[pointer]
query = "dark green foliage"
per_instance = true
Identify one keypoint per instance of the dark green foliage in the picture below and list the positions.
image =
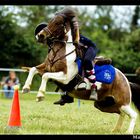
(135, 18)
(18, 46)
(132, 41)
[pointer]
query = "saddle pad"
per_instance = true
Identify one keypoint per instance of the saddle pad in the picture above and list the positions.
(104, 73)
(79, 63)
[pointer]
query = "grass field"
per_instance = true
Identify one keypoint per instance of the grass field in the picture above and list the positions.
(47, 118)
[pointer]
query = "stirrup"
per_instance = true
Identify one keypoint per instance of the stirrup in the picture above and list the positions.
(82, 85)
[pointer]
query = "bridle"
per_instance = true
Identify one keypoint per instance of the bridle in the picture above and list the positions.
(48, 31)
(55, 39)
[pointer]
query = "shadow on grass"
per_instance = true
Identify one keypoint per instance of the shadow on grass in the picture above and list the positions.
(12, 130)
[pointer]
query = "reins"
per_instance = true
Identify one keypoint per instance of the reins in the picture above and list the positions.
(46, 29)
(52, 62)
(62, 57)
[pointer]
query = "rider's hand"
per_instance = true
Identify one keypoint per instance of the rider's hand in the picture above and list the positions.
(75, 44)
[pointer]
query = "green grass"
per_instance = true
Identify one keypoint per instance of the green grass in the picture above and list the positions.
(46, 118)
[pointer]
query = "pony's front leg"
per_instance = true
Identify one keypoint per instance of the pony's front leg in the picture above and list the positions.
(26, 87)
(59, 76)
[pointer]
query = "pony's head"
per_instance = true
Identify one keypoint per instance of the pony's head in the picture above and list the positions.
(38, 28)
(56, 28)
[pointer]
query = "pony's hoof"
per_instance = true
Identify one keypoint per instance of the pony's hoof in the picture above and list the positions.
(25, 90)
(39, 99)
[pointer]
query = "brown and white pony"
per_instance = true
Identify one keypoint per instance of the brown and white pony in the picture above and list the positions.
(60, 66)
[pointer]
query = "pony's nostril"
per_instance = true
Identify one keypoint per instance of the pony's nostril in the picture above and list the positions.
(40, 37)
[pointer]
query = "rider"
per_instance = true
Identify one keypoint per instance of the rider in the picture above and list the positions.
(90, 51)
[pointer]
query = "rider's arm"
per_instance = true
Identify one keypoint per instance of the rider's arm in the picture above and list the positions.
(86, 41)
(71, 15)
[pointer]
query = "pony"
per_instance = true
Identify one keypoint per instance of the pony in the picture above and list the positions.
(61, 67)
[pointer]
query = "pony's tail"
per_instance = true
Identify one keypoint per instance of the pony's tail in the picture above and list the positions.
(135, 88)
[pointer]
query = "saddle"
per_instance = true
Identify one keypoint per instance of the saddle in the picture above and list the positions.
(104, 71)
(100, 60)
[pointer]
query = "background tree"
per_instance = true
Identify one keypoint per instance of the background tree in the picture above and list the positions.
(113, 35)
(135, 18)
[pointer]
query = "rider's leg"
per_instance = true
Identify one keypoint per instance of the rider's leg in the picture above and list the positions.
(89, 68)
(92, 78)
(90, 72)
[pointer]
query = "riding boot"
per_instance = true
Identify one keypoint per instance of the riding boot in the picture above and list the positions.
(64, 99)
(92, 79)
(93, 94)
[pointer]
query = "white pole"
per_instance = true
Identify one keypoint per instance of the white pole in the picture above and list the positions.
(34, 92)
(11, 69)
(79, 103)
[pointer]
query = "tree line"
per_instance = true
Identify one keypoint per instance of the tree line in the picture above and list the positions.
(18, 46)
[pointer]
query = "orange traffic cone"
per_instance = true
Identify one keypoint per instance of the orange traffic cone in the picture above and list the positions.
(14, 119)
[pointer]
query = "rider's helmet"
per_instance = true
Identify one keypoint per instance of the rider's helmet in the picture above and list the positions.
(39, 27)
